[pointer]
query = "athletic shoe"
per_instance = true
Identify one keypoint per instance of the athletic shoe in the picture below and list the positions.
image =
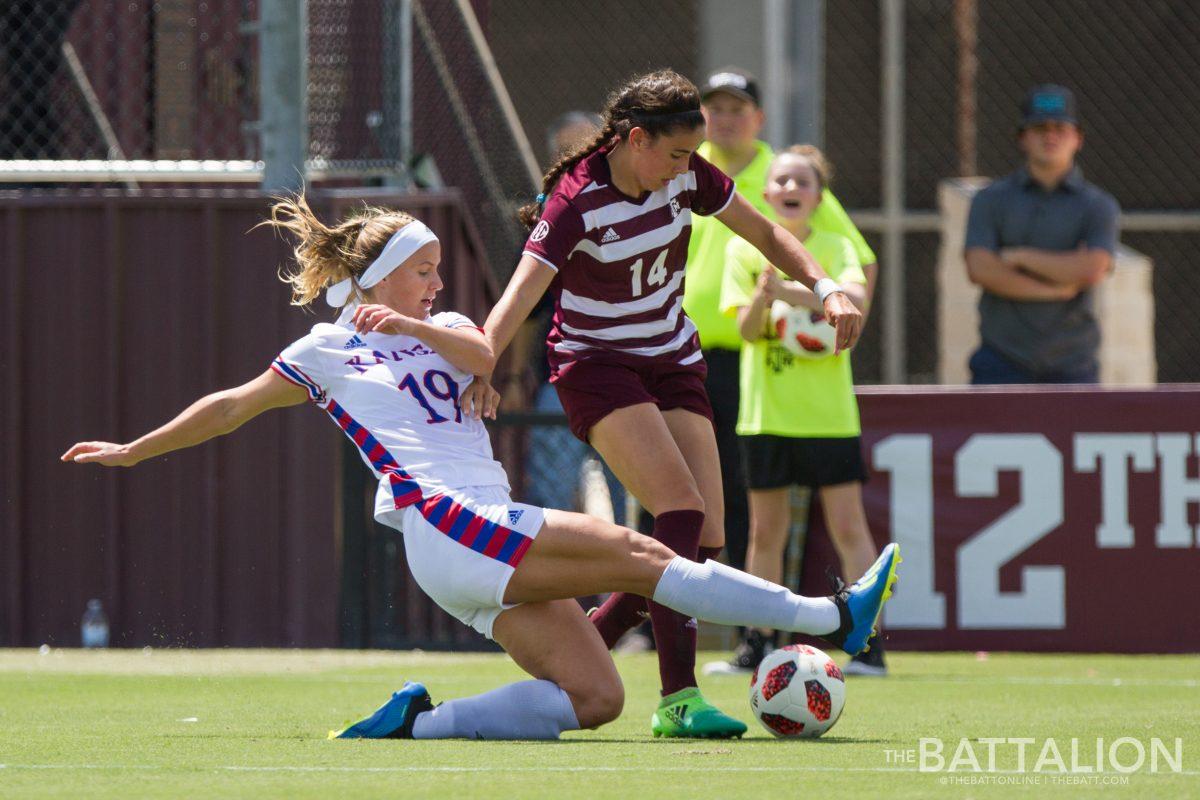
(392, 720)
(860, 604)
(686, 714)
(869, 663)
(746, 658)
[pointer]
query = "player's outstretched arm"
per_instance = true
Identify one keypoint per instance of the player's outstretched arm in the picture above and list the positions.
(526, 287)
(777, 245)
(784, 251)
(212, 415)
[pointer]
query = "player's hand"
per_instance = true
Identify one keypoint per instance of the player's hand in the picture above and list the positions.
(373, 318)
(106, 454)
(480, 400)
(846, 318)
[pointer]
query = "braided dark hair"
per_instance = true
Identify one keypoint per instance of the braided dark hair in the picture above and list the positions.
(659, 102)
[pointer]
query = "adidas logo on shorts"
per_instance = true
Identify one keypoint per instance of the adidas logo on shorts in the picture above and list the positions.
(610, 236)
(515, 516)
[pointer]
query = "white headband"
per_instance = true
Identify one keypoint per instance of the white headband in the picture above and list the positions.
(404, 242)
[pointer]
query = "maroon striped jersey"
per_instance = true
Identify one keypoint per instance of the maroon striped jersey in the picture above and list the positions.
(618, 294)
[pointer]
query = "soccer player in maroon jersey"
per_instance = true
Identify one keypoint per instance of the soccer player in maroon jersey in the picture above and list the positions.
(609, 238)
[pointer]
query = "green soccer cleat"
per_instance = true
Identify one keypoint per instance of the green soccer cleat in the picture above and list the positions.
(686, 714)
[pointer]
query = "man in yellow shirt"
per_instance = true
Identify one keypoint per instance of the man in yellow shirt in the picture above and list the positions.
(734, 119)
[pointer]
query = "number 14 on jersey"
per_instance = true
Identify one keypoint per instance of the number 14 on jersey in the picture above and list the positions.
(656, 277)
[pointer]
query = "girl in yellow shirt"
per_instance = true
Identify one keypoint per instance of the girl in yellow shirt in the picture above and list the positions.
(798, 418)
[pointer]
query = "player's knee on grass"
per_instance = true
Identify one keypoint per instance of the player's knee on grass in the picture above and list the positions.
(600, 702)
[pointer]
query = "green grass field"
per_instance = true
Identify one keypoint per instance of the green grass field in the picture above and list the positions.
(253, 723)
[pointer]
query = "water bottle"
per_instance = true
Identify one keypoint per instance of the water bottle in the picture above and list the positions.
(94, 631)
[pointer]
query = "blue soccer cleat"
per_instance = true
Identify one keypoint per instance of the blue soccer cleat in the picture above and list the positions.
(394, 719)
(861, 603)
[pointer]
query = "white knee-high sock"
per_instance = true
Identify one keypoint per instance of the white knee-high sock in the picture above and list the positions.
(717, 593)
(525, 710)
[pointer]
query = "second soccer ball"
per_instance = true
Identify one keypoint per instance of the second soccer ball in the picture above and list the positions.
(802, 330)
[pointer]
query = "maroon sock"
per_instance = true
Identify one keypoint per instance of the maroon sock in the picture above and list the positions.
(674, 633)
(617, 614)
(709, 552)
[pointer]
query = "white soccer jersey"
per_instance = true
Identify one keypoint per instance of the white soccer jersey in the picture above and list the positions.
(397, 400)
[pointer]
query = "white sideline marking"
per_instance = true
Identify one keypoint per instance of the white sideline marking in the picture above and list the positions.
(581, 768)
(1184, 683)
(570, 769)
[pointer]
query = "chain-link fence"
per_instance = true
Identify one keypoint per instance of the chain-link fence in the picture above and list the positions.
(967, 67)
(354, 84)
(179, 79)
(405, 90)
(98, 79)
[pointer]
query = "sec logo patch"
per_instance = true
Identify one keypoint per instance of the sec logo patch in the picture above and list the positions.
(540, 231)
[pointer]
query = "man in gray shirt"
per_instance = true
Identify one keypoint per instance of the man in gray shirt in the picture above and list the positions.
(1037, 242)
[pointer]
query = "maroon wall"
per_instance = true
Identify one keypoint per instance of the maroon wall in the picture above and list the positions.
(118, 312)
(1017, 534)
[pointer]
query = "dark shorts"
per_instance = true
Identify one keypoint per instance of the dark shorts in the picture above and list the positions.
(772, 462)
(591, 390)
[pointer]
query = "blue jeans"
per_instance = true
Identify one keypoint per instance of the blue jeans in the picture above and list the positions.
(989, 366)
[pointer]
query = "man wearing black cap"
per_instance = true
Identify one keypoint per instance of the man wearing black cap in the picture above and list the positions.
(1037, 243)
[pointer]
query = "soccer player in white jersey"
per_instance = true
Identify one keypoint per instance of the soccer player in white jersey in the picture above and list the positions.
(392, 376)
(609, 239)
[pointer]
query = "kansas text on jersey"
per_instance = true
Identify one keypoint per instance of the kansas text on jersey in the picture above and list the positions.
(397, 400)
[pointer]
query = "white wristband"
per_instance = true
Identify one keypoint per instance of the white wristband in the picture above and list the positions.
(825, 287)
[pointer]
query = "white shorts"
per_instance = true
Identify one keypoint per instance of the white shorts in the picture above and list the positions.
(464, 546)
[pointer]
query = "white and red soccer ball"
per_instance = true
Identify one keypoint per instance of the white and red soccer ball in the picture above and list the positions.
(803, 331)
(797, 691)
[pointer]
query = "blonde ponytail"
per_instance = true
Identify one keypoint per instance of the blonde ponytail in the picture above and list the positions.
(325, 255)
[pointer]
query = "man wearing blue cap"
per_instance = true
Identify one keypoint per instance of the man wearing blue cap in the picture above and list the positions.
(1037, 243)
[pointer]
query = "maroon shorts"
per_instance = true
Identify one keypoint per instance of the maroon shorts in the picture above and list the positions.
(591, 390)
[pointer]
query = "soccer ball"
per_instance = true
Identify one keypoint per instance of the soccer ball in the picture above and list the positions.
(803, 331)
(797, 691)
